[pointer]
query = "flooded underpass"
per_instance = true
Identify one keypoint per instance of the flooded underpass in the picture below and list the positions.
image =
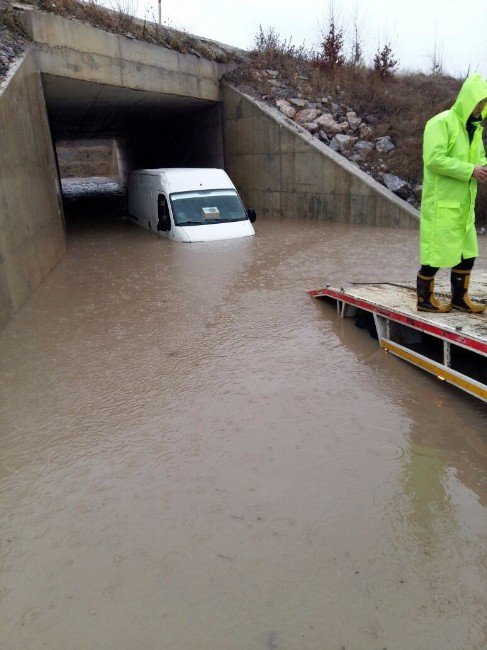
(195, 454)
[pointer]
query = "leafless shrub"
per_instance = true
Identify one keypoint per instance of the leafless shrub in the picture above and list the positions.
(272, 51)
(270, 44)
(436, 59)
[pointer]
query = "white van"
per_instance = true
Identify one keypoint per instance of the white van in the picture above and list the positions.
(188, 204)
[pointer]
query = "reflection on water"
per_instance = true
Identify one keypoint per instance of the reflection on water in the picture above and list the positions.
(195, 454)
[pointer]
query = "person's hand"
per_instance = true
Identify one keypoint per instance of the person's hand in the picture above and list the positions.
(480, 173)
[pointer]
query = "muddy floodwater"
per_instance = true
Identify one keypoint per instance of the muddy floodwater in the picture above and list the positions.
(197, 455)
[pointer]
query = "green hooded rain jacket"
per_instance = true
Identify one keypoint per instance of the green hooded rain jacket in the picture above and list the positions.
(447, 224)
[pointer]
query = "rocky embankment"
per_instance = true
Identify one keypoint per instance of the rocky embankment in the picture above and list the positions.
(12, 41)
(361, 138)
(10, 49)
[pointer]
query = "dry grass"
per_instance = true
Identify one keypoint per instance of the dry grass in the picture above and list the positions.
(12, 37)
(9, 19)
(403, 104)
(122, 20)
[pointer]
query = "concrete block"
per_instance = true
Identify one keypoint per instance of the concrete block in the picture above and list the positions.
(61, 61)
(209, 88)
(290, 142)
(57, 31)
(255, 136)
(148, 54)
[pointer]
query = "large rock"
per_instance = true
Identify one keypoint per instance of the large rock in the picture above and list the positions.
(307, 115)
(300, 103)
(286, 108)
(323, 137)
(327, 123)
(281, 93)
(312, 127)
(275, 83)
(397, 185)
(363, 149)
(345, 142)
(353, 120)
(334, 145)
(384, 145)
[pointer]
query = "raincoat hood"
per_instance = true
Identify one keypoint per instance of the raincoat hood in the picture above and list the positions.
(473, 91)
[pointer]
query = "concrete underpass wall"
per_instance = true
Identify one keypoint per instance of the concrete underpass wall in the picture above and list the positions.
(280, 169)
(68, 48)
(32, 238)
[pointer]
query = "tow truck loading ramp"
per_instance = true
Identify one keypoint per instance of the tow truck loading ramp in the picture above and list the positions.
(451, 346)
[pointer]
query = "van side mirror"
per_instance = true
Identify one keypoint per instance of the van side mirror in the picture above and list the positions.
(251, 215)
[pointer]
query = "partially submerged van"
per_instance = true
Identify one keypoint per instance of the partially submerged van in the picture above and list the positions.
(188, 204)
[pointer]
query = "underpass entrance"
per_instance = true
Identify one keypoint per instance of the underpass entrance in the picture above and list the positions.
(101, 133)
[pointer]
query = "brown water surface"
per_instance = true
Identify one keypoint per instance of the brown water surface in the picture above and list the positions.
(197, 455)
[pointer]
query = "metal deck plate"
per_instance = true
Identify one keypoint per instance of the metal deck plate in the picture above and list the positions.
(400, 299)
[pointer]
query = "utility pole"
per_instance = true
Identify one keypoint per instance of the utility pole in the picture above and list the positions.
(159, 3)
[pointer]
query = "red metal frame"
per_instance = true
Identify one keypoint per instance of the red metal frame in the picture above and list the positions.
(464, 341)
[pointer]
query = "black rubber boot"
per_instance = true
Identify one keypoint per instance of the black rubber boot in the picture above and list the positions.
(426, 300)
(460, 299)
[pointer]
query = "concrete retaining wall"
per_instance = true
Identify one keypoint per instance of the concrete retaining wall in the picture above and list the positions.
(280, 169)
(68, 48)
(32, 238)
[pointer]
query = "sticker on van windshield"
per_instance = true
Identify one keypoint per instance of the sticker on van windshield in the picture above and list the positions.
(211, 213)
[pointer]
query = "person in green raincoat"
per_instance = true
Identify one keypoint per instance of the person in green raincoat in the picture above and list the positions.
(454, 161)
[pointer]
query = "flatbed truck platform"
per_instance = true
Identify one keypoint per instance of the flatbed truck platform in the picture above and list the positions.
(451, 346)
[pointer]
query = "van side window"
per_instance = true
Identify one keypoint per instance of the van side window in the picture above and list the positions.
(163, 218)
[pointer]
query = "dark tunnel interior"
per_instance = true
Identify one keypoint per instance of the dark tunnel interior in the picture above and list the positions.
(101, 133)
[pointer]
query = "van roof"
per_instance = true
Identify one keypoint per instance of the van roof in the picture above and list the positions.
(184, 179)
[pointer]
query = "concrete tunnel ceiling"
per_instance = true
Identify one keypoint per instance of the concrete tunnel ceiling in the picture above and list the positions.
(83, 110)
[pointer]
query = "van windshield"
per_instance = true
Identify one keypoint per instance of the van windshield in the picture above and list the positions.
(206, 207)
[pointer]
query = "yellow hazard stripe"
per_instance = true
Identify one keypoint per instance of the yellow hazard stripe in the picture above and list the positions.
(442, 372)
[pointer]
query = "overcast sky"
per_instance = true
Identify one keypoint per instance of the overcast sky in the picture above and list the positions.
(410, 25)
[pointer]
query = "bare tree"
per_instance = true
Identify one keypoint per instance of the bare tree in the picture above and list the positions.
(332, 55)
(384, 62)
(357, 52)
